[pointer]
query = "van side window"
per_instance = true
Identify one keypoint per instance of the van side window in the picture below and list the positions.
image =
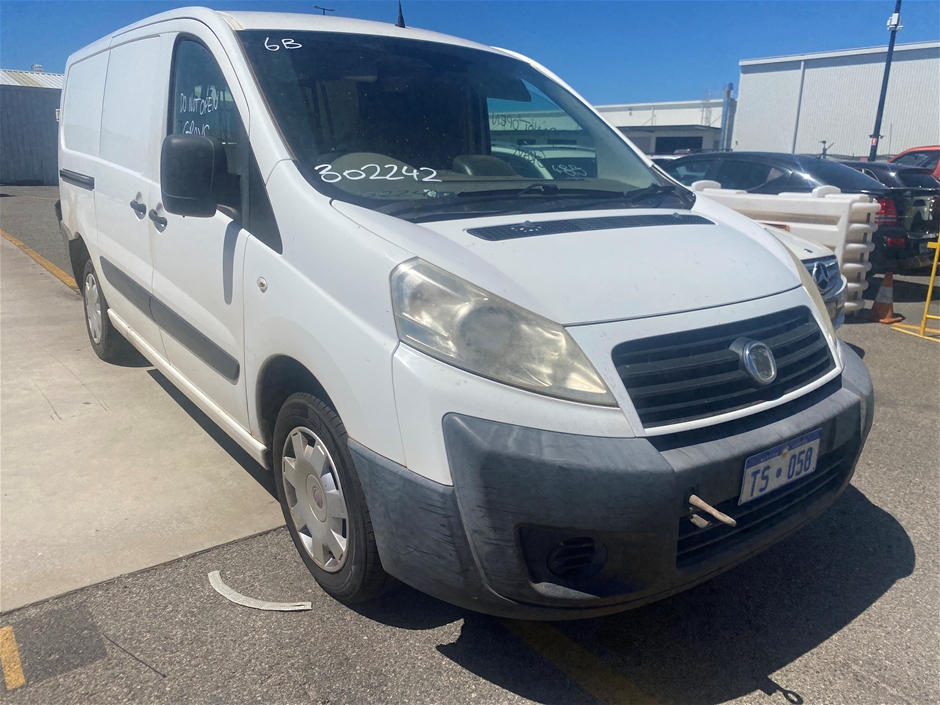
(202, 104)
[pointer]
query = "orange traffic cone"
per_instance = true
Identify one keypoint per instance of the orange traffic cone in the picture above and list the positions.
(883, 308)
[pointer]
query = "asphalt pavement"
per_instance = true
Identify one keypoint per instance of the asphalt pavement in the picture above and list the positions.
(844, 611)
(28, 213)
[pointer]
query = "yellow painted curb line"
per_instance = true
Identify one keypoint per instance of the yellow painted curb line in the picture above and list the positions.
(43, 262)
(10, 659)
(579, 664)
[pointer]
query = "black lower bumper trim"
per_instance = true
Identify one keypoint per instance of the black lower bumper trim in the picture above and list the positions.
(540, 524)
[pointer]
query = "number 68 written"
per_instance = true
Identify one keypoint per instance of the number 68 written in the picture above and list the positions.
(286, 43)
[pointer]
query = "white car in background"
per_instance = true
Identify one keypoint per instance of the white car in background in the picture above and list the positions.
(823, 266)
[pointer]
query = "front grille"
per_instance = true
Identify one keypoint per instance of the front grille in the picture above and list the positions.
(698, 546)
(694, 374)
(575, 225)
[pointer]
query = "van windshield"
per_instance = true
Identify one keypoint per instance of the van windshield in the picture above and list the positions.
(429, 131)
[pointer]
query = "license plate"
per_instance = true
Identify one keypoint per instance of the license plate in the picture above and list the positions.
(779, 466)
(923, 248)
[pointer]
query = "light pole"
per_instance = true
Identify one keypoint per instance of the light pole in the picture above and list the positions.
(323, 10)
(894, 24)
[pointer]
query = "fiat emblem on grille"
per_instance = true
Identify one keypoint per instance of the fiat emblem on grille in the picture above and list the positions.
(757, 360)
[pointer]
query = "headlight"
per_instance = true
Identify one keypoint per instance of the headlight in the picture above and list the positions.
(460, 324)
(810, 285)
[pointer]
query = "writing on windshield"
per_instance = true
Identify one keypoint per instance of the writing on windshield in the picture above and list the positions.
(366, 115)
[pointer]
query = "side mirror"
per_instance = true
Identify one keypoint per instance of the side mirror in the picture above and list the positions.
(193, 173)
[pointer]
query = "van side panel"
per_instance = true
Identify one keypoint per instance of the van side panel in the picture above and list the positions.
(327, 304)
(78, 143)
(133, 112)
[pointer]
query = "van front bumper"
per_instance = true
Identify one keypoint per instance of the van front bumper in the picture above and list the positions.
(547, 525)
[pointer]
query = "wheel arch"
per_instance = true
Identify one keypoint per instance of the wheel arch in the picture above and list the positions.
(281, 377)
(78, 255)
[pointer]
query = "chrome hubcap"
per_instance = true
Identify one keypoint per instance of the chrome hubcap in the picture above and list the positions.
(93, 307)
(315, 498)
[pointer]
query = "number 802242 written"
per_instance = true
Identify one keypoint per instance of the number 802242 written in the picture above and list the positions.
(331, 177)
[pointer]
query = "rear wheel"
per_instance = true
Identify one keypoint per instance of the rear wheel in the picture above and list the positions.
(105, 339)
(323, 503)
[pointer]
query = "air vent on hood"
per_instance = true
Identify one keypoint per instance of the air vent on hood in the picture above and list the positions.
(575, 225)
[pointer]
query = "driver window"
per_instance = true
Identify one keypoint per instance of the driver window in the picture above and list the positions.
(202, 104)
(746, 176)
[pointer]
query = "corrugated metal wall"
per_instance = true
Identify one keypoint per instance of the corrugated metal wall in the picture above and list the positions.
(839, 99)
(767, 102)
(28, 135)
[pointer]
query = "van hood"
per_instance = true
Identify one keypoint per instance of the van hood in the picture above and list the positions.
(604, 270)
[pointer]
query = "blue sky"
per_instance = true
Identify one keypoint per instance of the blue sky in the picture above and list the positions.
(610, 52)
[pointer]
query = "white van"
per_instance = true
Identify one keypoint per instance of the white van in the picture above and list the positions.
(527, 396)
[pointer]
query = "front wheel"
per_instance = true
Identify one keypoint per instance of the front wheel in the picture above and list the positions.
(323, 502)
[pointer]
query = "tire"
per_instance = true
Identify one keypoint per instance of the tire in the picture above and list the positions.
(340, 552)
(105, 339)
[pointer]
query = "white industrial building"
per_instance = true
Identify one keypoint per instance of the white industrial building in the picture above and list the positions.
(664, 128)
(792, 103)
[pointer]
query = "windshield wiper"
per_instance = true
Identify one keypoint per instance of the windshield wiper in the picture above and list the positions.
(650, 191)
(429, 204)
(468, 198)
(614, 198)
(539, 190)
(579, 197)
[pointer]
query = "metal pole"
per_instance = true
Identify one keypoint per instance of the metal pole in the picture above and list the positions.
(894, 24)
(725, 115)
(799, 106)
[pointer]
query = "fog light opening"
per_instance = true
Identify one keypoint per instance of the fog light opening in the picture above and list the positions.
(576, 558)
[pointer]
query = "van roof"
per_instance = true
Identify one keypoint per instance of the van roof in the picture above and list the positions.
(220, 20)
(320, 23)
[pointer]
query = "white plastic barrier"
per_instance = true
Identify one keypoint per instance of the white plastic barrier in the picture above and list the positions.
(839, 221)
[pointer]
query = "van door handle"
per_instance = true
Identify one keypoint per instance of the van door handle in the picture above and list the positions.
(159, 221)
(139, 208)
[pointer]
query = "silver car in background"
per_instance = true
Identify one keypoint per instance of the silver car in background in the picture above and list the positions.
(824, 268)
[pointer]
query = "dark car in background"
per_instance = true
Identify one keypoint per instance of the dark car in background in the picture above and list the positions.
(773, 173)
(913, 204)
(770, 173)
